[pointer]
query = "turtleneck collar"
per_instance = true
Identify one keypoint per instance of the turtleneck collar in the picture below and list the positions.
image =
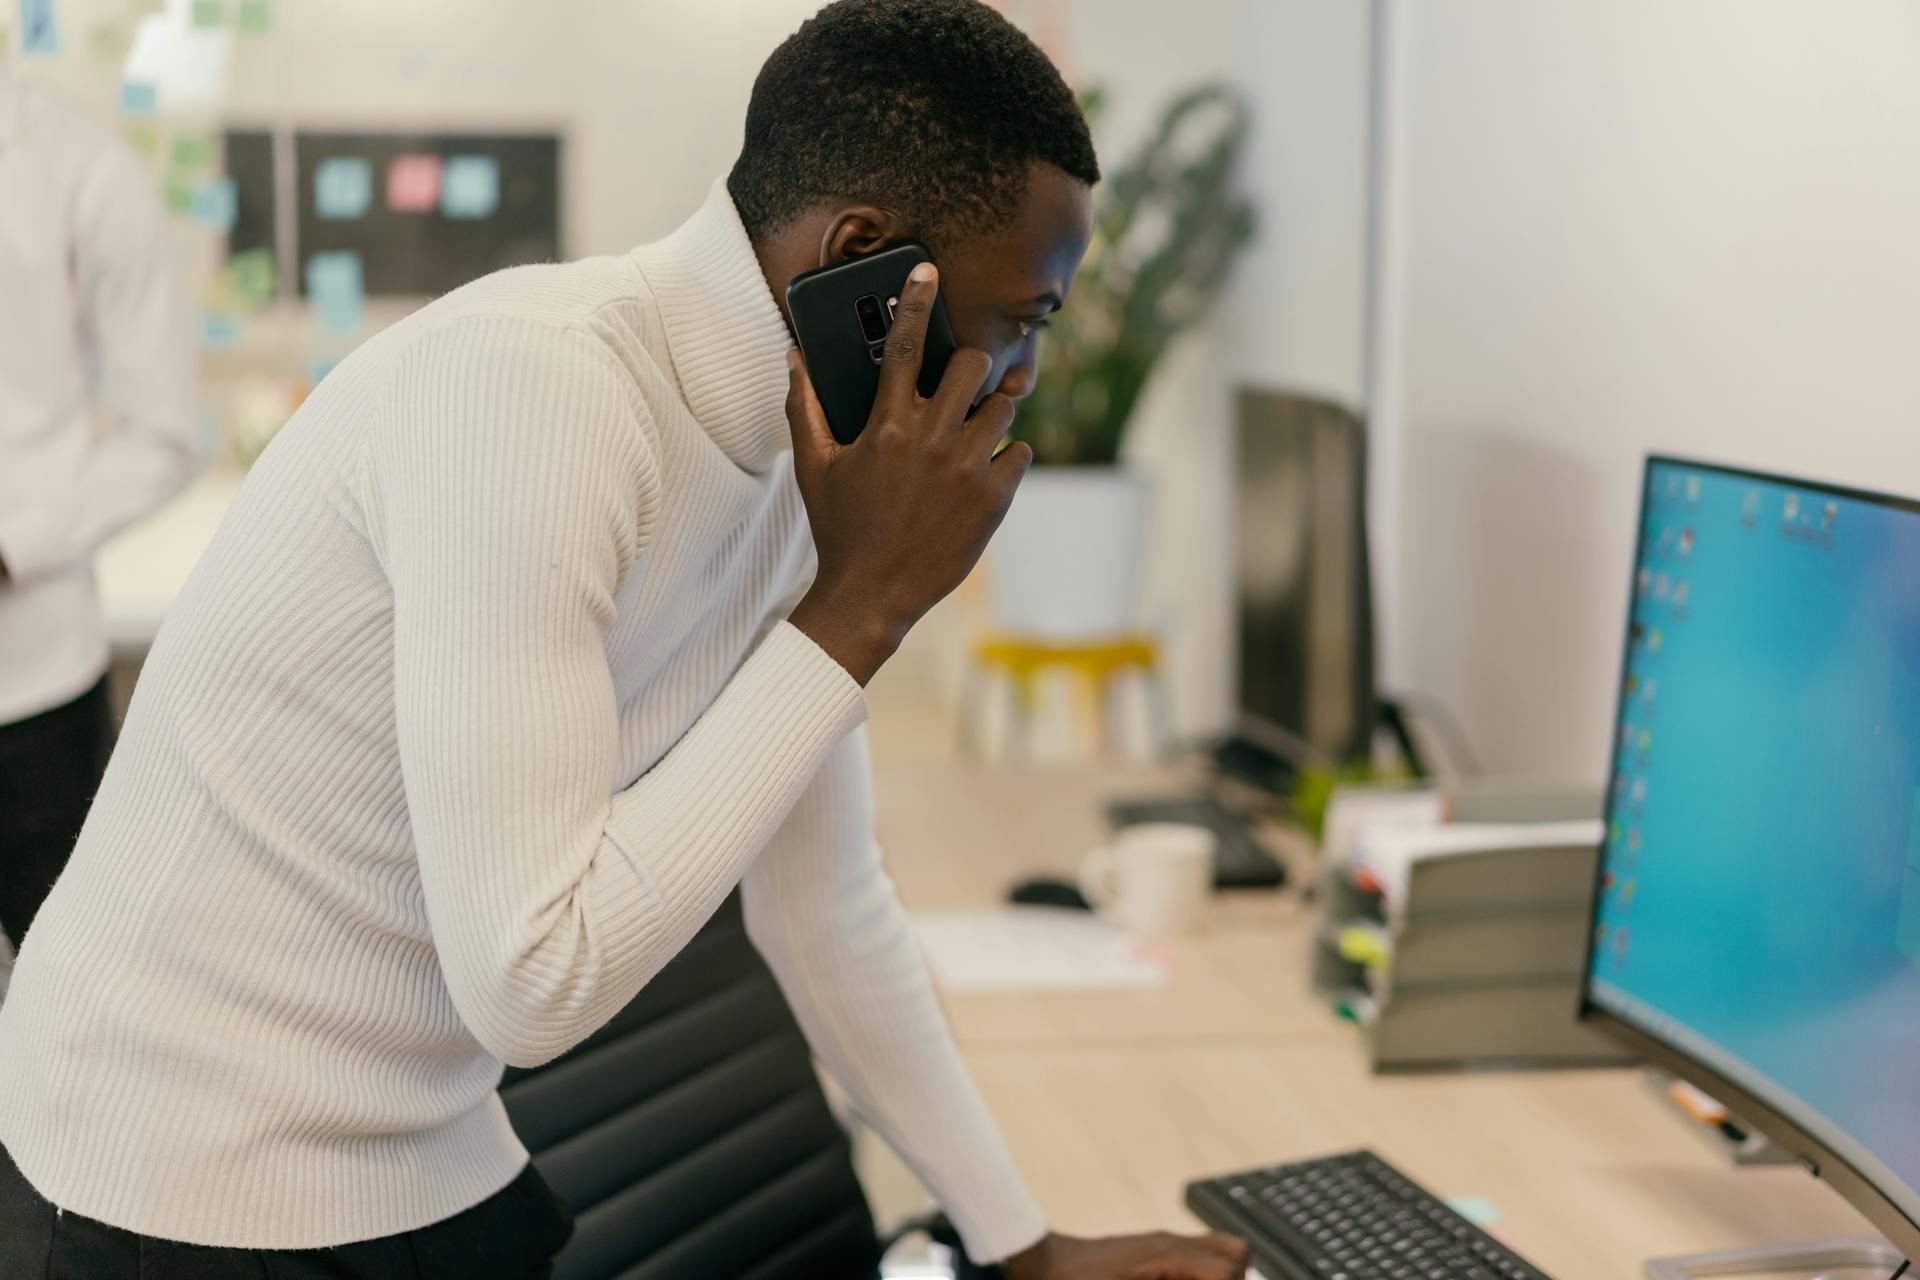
(726, 336)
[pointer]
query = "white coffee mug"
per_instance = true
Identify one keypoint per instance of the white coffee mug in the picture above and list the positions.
(1153, 879)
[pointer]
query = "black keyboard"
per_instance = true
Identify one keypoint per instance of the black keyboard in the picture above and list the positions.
(1239, 861)
(1351, 1217)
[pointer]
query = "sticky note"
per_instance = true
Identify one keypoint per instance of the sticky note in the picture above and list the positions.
(337, 289)
(1475, 1209)
(191, 151)
(144, 138)
(215, 204)
(413, 183)
(209, 13)
(470, 187)
(218, 330)
(138, 98)
(179, 197)
(256, 17)
(342, 187)
(251, 276)
(39, 34)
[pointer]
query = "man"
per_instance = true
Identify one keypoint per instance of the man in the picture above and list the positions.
(541, 626)
(88, 295)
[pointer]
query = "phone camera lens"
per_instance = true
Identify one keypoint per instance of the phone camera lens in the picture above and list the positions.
(873, 321)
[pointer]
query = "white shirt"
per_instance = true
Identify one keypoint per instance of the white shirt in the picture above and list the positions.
(89, 294)
(478, 706)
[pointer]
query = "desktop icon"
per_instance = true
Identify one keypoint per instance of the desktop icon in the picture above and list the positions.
(1644, 580)
(1693, 489)
(1790, 509)
(1681, 594)
(1646, 739)
(1666, 542)
(1655, 639)
(1633, 840)
(1626, 893)
(1649, 689)
(1750, 508)
(1662, 585)
(1620, 943)
(1828, 516)
(1686, 542)
(1639, 791)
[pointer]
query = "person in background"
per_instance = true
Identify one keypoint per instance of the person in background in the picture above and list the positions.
(91, 317)
(543, 624)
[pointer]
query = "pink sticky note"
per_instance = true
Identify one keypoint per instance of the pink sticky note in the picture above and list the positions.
(413, 183)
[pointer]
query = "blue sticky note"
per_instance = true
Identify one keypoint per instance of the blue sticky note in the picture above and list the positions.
(138, 98)
(39, 35)
(337, 289)
(343, 187)
(219, 330)
(215, 204)
(1475, 1209)
(470, 187)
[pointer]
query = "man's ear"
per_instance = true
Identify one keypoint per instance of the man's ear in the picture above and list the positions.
(860, 229)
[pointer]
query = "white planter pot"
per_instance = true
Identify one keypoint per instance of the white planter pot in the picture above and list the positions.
(1067, 562)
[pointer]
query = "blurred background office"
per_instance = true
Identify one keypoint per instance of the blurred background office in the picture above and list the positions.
(1341, 435)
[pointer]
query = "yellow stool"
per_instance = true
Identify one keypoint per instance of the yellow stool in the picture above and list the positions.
(1097, 662)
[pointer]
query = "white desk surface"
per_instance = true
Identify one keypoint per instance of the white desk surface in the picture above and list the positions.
(142, 569)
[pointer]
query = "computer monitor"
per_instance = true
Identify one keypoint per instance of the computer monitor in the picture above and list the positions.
(1757, 920)
(1305, 607)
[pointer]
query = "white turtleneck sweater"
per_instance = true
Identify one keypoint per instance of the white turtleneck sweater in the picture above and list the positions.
(477, 707)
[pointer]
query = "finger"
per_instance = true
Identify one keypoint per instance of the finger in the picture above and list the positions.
(967, 371)
(1008, 470)
(990, 421)
(900, 367)
(813, 440)
(1232, 1248)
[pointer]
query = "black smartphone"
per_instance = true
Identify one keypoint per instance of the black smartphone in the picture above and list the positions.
(841, 315)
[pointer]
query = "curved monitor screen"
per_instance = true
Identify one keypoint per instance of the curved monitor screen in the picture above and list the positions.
(1759, 906)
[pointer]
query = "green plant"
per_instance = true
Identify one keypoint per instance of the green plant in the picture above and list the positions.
(1167, 226)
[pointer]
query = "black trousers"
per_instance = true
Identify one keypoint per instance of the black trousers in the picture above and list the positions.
(50, 767)
(511, 1235)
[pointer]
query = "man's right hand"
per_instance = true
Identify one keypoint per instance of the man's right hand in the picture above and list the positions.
(901, 515)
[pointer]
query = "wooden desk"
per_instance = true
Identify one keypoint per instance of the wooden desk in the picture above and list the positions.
(1113, 1101)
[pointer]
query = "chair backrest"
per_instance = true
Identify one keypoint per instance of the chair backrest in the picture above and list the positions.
(690, 1136)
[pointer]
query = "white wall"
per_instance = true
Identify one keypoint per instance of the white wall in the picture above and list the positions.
(1629, 226)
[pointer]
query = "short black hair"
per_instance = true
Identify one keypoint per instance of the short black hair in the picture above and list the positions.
(937, 109)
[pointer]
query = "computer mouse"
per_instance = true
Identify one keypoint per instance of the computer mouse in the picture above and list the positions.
(1048, 893)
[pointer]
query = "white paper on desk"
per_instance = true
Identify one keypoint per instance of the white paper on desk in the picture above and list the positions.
(1388, 853)
(1034, 949)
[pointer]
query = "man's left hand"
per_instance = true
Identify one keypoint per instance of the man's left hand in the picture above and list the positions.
(1158, 1256)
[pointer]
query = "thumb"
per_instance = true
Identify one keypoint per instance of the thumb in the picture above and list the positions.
(813, 441)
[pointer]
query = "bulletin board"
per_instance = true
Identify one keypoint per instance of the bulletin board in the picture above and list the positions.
(426, 213)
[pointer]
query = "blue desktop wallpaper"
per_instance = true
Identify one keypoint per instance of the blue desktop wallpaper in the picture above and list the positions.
(1760, 899)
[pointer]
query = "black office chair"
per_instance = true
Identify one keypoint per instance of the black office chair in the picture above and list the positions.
(690, 1135)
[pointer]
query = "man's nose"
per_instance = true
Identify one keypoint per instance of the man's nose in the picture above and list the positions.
(1018, 380)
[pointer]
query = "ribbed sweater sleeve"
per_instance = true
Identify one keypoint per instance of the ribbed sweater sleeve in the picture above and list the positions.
(513, 486)
(822, 910)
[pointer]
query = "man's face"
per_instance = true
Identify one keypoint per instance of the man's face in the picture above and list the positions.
(1000, 287)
